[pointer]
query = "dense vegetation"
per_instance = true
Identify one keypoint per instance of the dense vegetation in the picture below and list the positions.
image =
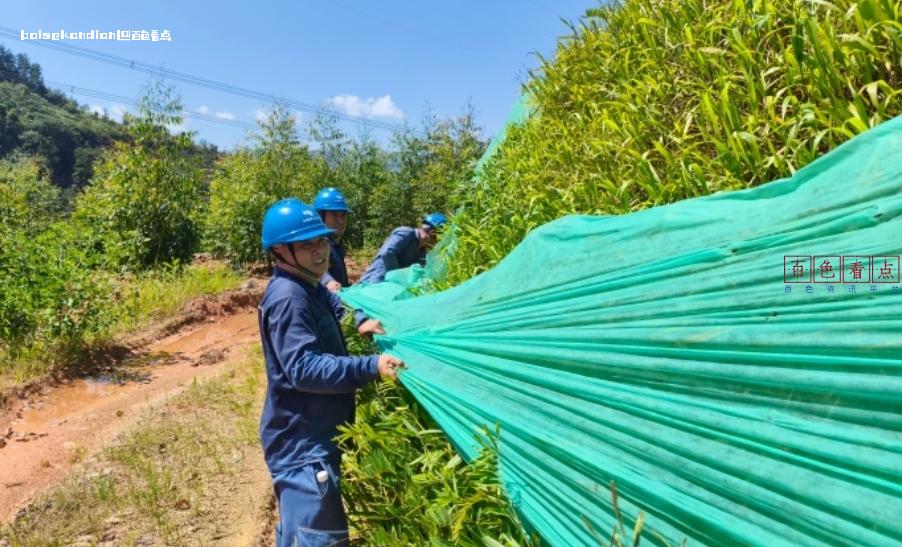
(154, 199)
(403, 482)
(385, 188)
(654, 101)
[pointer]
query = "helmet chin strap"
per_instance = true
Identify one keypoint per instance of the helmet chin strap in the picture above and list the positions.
(306, 274)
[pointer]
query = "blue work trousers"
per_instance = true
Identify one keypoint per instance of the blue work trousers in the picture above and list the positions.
(311, 513)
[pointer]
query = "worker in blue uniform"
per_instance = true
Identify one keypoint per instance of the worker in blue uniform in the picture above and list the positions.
(310, 378)
(404, 247)
(333, 208)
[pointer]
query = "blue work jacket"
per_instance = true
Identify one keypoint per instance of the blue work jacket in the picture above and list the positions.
(337, 269)
(310, 377)
(400, 250)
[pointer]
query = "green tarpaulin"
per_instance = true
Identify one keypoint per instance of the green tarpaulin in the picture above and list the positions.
(733, 362)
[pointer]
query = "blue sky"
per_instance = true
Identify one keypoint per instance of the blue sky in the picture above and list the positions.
(388, 61)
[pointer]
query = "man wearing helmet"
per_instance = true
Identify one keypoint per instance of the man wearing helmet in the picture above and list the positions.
(310, 378)
(332, 207)
(402, 248)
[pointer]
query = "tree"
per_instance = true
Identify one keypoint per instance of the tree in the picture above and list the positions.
(28, 200)
(145, 200)
(430, 165)
(363, 173)
(246, 182)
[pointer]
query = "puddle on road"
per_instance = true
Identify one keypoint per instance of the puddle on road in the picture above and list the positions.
(136, 370)
(87, 412)
(133, 376)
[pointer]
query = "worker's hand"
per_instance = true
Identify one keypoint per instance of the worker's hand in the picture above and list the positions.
(370, 327)
(389, 366)
(333, 286)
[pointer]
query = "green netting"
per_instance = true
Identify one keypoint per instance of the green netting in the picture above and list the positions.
(661, 350)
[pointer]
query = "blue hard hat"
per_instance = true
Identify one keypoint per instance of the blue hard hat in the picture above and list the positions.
(435, 220)
(330, 199)
(289, 221)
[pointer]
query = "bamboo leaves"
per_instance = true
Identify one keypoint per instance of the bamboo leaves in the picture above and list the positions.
(652, 102)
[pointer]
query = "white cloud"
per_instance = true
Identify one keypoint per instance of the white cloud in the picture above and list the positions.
(97, 109)
(260, 115)
(352, 105)
(203, 109)
(116, 111)
(225, 115)
(176, 128)
(298, 116)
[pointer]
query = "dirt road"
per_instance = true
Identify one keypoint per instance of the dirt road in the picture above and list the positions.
(45, 434)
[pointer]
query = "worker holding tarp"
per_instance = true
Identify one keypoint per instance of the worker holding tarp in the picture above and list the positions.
(311, 380)
(404, 247)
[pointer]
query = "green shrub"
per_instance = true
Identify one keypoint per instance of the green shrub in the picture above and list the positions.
(51, 300)
(403, 483)
(28, 200)
(144, 204)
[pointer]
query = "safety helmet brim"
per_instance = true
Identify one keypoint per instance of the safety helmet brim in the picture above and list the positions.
(300, 236)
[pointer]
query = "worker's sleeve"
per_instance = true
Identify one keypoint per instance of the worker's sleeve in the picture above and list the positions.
(393, 249)
(337, 306)
(326, 279)
(359, 318)
(292, 332)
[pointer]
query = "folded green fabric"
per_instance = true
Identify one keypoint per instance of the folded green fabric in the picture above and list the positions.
(732, 362)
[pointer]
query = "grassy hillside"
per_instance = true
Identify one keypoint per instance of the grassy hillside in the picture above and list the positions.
(654, 101)
(38, 121)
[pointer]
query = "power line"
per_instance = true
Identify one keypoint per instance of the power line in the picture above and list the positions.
(133, 102)
(194, 80)
(76, 90)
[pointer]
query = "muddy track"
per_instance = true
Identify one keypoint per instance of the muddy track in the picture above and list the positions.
(43, 433)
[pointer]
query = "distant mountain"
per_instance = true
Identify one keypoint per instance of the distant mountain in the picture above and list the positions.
(35, 120)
